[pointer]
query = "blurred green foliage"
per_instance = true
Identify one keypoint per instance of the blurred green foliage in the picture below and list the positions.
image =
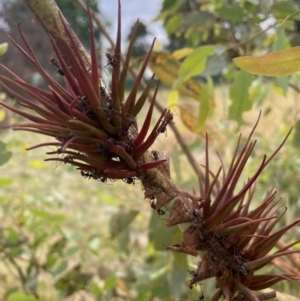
(66, 238)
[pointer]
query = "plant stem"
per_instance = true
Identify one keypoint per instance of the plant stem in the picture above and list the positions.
(47, 13)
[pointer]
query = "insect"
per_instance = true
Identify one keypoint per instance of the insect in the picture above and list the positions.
(167, 120)
(153, 206)
(53, 61)
(111, 59)
(155, 155)
(161, 212)
(129, 181)
(86, 174)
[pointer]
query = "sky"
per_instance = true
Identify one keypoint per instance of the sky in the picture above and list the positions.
(131, 11)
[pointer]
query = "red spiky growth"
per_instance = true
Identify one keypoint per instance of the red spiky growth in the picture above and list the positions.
(235, 240)
(95, 129)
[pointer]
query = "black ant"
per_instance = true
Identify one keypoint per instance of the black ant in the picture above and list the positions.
(161, 212)
(168, 119)
(129, 181)
(155, 155)
(153, 206)
(86, 174)
(53, 61)
(126, 124)
(111, 59)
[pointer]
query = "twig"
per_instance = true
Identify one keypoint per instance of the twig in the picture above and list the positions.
(21, 277)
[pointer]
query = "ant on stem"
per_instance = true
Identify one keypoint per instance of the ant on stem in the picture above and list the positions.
(53, 61)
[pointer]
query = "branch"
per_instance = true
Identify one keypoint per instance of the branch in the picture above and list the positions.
(48, 15)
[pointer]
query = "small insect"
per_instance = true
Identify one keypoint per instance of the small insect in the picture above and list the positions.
(153, 206)
(167, 120)
(195, 213)
(86, 175)
(127, 122)
(103, 180)
(163, 128)
(242, 271)
(111, 59)
(53, 61)
(161, 212)
(155, 155)
(129, 181)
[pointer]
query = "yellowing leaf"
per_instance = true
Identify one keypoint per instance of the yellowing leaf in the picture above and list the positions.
(172, 99)
(189, 115)
(166, 69)
(2, 115)
(157, 45)
(3, 48)
(278, 63)
(182, 52)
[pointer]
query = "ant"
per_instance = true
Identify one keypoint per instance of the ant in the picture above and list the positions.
(111, 59)
(53, 61)
(86, 174)
(129, 181)
(155, 155)
(161, 212)
(153, 206)
(168, 119)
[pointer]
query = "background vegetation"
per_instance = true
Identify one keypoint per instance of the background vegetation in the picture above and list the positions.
(66, 238)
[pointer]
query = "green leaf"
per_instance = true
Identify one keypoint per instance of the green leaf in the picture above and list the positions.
(53, 218)
(120, 221)
(281, 41)
(283, 84)
(71, 251)
(5, 155)
(3, 48)
(178, 273)
(22, 297)
(239, 95)
(173, 24)
(159, 235)
(94, 288)
(296, 137)
(206, 103)
(61, 268)
(170, 5)
(258, 90)
(193, 64)
(282, 9)
(278, 63)
(110, 282)
(94, 244)
(51, 261)
(166, 67)
(196, 22)
(233, 13)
